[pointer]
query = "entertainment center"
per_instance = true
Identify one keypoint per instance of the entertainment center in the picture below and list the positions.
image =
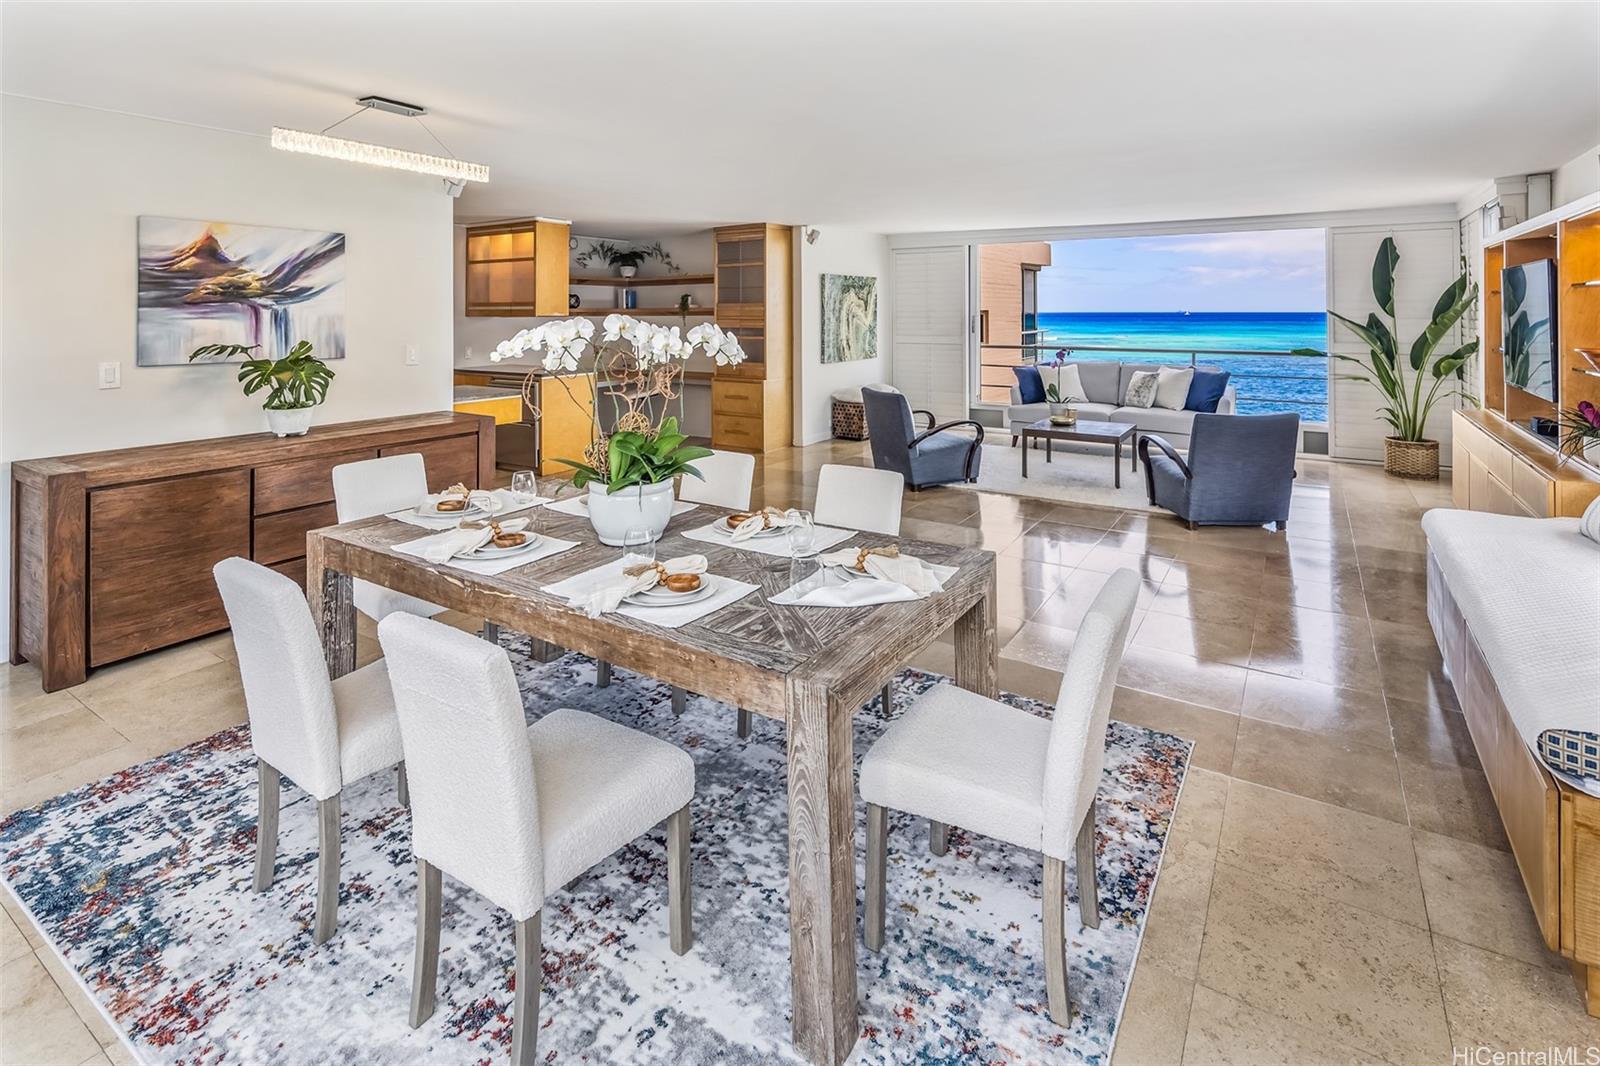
(1541, 355)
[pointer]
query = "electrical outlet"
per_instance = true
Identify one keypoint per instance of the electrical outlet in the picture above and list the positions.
(411, 355)
(110, 376)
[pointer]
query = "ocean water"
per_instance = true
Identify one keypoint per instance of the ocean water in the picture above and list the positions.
(1264, 383)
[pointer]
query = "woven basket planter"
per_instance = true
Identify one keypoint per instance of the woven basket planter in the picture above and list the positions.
(1414, 459)
(849, 420)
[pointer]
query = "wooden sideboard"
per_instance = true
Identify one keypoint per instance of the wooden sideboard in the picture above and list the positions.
(1496, 467)
(112, 551)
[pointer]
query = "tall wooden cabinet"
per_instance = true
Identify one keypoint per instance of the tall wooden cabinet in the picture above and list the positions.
(752, 403)
(517, 268)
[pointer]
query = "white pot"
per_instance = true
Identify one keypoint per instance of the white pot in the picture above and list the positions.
(292, 423)
(627, 272)
(636, 507)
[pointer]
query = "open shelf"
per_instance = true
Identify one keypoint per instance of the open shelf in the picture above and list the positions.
(634, 282)
(642, 312)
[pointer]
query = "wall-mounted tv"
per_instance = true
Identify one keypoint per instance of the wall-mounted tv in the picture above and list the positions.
(1528, 343)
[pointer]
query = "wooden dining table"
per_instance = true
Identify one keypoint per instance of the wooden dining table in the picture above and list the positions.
(810, 668)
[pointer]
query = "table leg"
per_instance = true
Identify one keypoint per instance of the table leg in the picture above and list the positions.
(1047, 448)
(1024, 455)
(330, 595)
(1116, 463)
(978, 646)
(822, 874)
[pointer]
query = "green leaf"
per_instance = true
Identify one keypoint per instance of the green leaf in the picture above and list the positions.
(1385, 338)
(1383, 275)
(1428, 339)
(691, 453)
(1369, 338)
(1516, 290)
(1298, 351)
(1452, 363)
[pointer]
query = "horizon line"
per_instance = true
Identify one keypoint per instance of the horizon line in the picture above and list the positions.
(1183, 311)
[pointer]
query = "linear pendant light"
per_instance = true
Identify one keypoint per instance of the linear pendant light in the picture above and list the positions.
(378, 155)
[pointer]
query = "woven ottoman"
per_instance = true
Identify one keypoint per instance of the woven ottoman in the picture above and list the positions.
(849, 415)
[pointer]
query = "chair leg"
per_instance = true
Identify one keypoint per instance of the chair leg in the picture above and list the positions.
(744, 724)
(1055, 940)
(1013, 440)
(327, 868)
(490, 632)
(425, 965)
(877, 861)
(938, 837)
(402, 786)
(888, 697)
(602, 673)
(1088, 881)
(680, 701)
(680, 889)
(266, 824)
(525, 1000)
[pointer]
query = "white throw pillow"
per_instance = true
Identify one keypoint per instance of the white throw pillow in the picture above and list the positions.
(1141, 389)
(1068, 382)
(1589, 524)
(1172, 387)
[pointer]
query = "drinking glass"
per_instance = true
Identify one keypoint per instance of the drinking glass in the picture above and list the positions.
(523, 483)
(802, 534)
(638, 546)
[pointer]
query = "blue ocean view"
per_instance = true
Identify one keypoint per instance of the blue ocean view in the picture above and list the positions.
(1298, 384)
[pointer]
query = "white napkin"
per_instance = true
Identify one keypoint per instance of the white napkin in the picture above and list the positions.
(608, 596)
(442, 547)
(762, 520)
(916, 575)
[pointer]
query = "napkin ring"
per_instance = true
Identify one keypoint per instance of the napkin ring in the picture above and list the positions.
(888, 551)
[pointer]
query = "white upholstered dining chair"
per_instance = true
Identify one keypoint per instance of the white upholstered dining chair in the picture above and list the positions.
(958, 758)
(373, 487)
(726, 480)
(859, 497)
(324, 734)
(513, 810)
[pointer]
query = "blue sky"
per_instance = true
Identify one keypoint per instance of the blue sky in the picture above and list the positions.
(1261, 270)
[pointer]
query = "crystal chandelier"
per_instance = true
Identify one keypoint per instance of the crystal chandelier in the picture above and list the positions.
(444, 166)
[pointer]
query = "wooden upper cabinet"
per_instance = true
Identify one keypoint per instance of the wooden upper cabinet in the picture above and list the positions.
(517, 269)
(750, 403)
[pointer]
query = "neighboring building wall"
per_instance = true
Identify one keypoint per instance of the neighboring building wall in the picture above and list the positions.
(1000, 311)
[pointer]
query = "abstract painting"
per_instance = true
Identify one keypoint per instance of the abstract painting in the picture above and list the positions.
(849, 318)
(225, 283)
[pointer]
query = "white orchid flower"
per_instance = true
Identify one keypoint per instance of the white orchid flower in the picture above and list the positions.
(701, 335)
(614, 325)
(585, 328)
(728, 351)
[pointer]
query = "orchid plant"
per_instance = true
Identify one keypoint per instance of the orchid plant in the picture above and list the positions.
(640, 360)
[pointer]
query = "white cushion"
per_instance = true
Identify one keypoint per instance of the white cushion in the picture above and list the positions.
(1172, 387)
(1027, 412)
(369, 733)
(848, 395)
(1589, 524)
(1141, 389)
(600, 785)
(1068, 382)
(1155, 419)
(957, 757)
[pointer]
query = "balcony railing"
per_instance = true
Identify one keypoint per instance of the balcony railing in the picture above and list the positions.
(1259, 390)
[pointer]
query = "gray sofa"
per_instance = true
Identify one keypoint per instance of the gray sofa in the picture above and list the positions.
(1106, 383)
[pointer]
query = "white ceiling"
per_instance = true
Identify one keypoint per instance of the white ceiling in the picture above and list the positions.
(892, 117)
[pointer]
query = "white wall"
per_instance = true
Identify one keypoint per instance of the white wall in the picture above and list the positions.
(836, 251)
(74, 182)
(1577, 177)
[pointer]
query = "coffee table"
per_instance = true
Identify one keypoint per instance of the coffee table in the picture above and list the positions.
(1112, 433)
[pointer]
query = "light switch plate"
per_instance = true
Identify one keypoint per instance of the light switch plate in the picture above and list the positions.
(110, 376)
(411, 355)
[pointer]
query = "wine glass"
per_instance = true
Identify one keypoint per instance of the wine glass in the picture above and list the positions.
(638, 546)
(802, 534)
(524, 484)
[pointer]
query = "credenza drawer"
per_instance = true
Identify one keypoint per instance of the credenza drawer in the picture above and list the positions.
(1531, 488)
(733, 431)
(736, 398)
(451, 461)
(282, 536)
(285, 486)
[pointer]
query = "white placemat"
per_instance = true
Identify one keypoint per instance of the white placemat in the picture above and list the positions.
(727, 591)
(547, 547)
(512, 503)
(828, 588)
(826, 537)
(578, 506)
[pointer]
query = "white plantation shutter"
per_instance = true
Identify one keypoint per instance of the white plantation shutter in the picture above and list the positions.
(930, 330)
(1428, 263)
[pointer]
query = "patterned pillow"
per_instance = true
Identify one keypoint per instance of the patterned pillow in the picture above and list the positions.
(1572, 752)
(1589, 524)
(1141, 389)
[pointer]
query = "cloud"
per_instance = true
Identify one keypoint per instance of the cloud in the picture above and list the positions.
(1256, 244)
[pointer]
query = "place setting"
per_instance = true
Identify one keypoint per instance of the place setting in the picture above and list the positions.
(485, 545)
(863, 576)
(668, 593)
(787, 534)
(457, 504)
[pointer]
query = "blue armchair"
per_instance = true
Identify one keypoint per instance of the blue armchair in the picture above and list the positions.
(936, 456)
(1239, 471)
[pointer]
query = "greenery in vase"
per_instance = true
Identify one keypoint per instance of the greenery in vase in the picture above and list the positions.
(1580, 428)
(1406, 404)
(632, 458)
(296, 381)
(614, 254)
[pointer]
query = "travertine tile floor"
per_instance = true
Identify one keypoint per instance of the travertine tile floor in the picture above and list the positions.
(1337, 887)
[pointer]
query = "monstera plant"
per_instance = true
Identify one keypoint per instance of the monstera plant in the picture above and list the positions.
(295, 384)
(1413, 380)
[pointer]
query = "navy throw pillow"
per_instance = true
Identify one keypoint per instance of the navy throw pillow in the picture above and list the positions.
(1031, 385)
(1206, 390)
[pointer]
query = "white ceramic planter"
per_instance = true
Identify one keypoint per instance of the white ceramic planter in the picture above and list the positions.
(627, 271)
(290, 423)
(638, 507)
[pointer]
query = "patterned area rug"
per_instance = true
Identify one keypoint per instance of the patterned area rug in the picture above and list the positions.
(142, 882)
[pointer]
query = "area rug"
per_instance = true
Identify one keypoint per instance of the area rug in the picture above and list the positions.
(142, 883)
(1076, 473)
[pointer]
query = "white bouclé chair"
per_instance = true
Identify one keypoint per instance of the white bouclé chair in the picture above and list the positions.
(373, 487)
(324, 734)
(513, 810)
(726, 480)
(958, 758)
(859, 497)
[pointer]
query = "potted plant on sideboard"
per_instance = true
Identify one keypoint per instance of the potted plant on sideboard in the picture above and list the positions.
(295, 384)
(629, 469)
(1411, 384)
